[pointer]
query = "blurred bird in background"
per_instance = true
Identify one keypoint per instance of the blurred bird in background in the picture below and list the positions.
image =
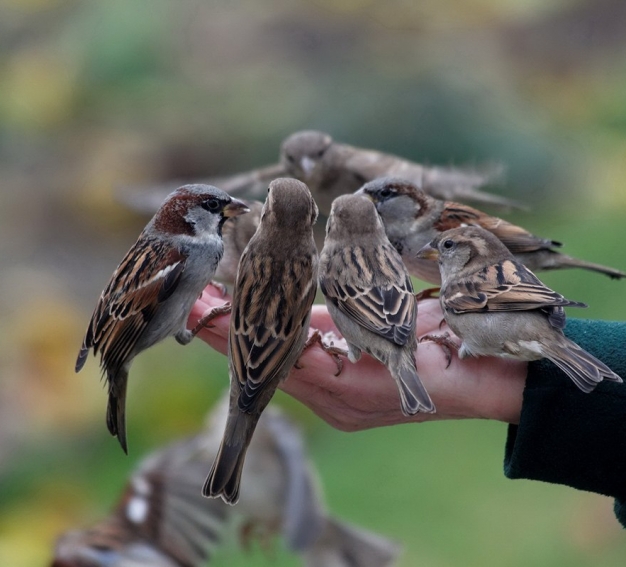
(331, 169)
(162, 520)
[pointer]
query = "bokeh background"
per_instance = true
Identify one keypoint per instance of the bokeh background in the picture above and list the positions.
(95, 96)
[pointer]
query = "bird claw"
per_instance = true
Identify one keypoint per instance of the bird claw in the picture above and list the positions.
(428, 293)
(209, 315)
(445, 342)
(329, 347)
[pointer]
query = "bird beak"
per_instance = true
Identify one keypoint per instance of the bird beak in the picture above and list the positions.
(428, 253)
(307, 165)
(235, 208)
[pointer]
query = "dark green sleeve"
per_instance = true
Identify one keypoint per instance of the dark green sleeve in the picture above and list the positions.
(568, 437)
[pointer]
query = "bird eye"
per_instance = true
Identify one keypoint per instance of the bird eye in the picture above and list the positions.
(385, 193)
(290, 158)
(320, 153)
(212, 205)
(448, 244)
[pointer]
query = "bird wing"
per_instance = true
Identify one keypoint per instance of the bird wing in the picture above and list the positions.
(505, 286)
(515, 238)
(266, 325)
(388, 310)
(147, 276)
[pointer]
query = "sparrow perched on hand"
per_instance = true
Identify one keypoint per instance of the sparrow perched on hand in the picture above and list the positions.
(152, 291)
(412, 219)
(370, 296)
(271, 309)
(162, 520)
(498, 307)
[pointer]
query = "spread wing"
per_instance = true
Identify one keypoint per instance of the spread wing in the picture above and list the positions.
(147, 276)
(269, 322)
(389, 309)
(505, 286)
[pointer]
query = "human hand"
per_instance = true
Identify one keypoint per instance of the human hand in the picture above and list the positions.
(365, 395)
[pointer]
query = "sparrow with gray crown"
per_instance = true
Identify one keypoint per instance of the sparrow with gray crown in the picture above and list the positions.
(152, 291)
(412, 219)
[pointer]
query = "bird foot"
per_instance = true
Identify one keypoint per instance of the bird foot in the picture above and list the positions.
(445, 342)
(209, 315)
(327, 343)
(428, 293)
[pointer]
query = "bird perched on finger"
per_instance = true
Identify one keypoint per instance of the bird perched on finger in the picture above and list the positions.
(370, 297)
(271, 308)
(412, 219)
(498, 307)
(162, 520)
(152, 291)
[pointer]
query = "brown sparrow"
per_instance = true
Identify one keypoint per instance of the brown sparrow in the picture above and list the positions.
(498, 307)
(331, 169)
(152, 291)
(162, 520)
(370, 297)
(412, 219)
(271, 309)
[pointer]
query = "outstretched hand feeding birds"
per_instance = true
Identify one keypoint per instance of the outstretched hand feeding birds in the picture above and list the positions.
(153, 289)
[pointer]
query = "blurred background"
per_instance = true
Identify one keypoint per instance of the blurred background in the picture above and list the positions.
(100, 95)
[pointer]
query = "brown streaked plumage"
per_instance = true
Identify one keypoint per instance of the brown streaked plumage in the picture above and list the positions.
(370, 296)
(152, 291)
(412, 219)
(500, 308)
(162, 520)
(271, 309)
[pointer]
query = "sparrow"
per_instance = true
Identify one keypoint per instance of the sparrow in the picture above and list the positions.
(161, 519)
(330, 169)
(498, 307)
(370, 297)
(236, 234)
(412, 219)
(271, 309)
(152, 291)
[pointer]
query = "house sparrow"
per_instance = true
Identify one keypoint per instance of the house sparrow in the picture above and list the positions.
(152, 291)
(412, 219)
(498, 307)
(271, 309)
(370, 297)
(162, 520)
(331, 169)
(236, 234)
